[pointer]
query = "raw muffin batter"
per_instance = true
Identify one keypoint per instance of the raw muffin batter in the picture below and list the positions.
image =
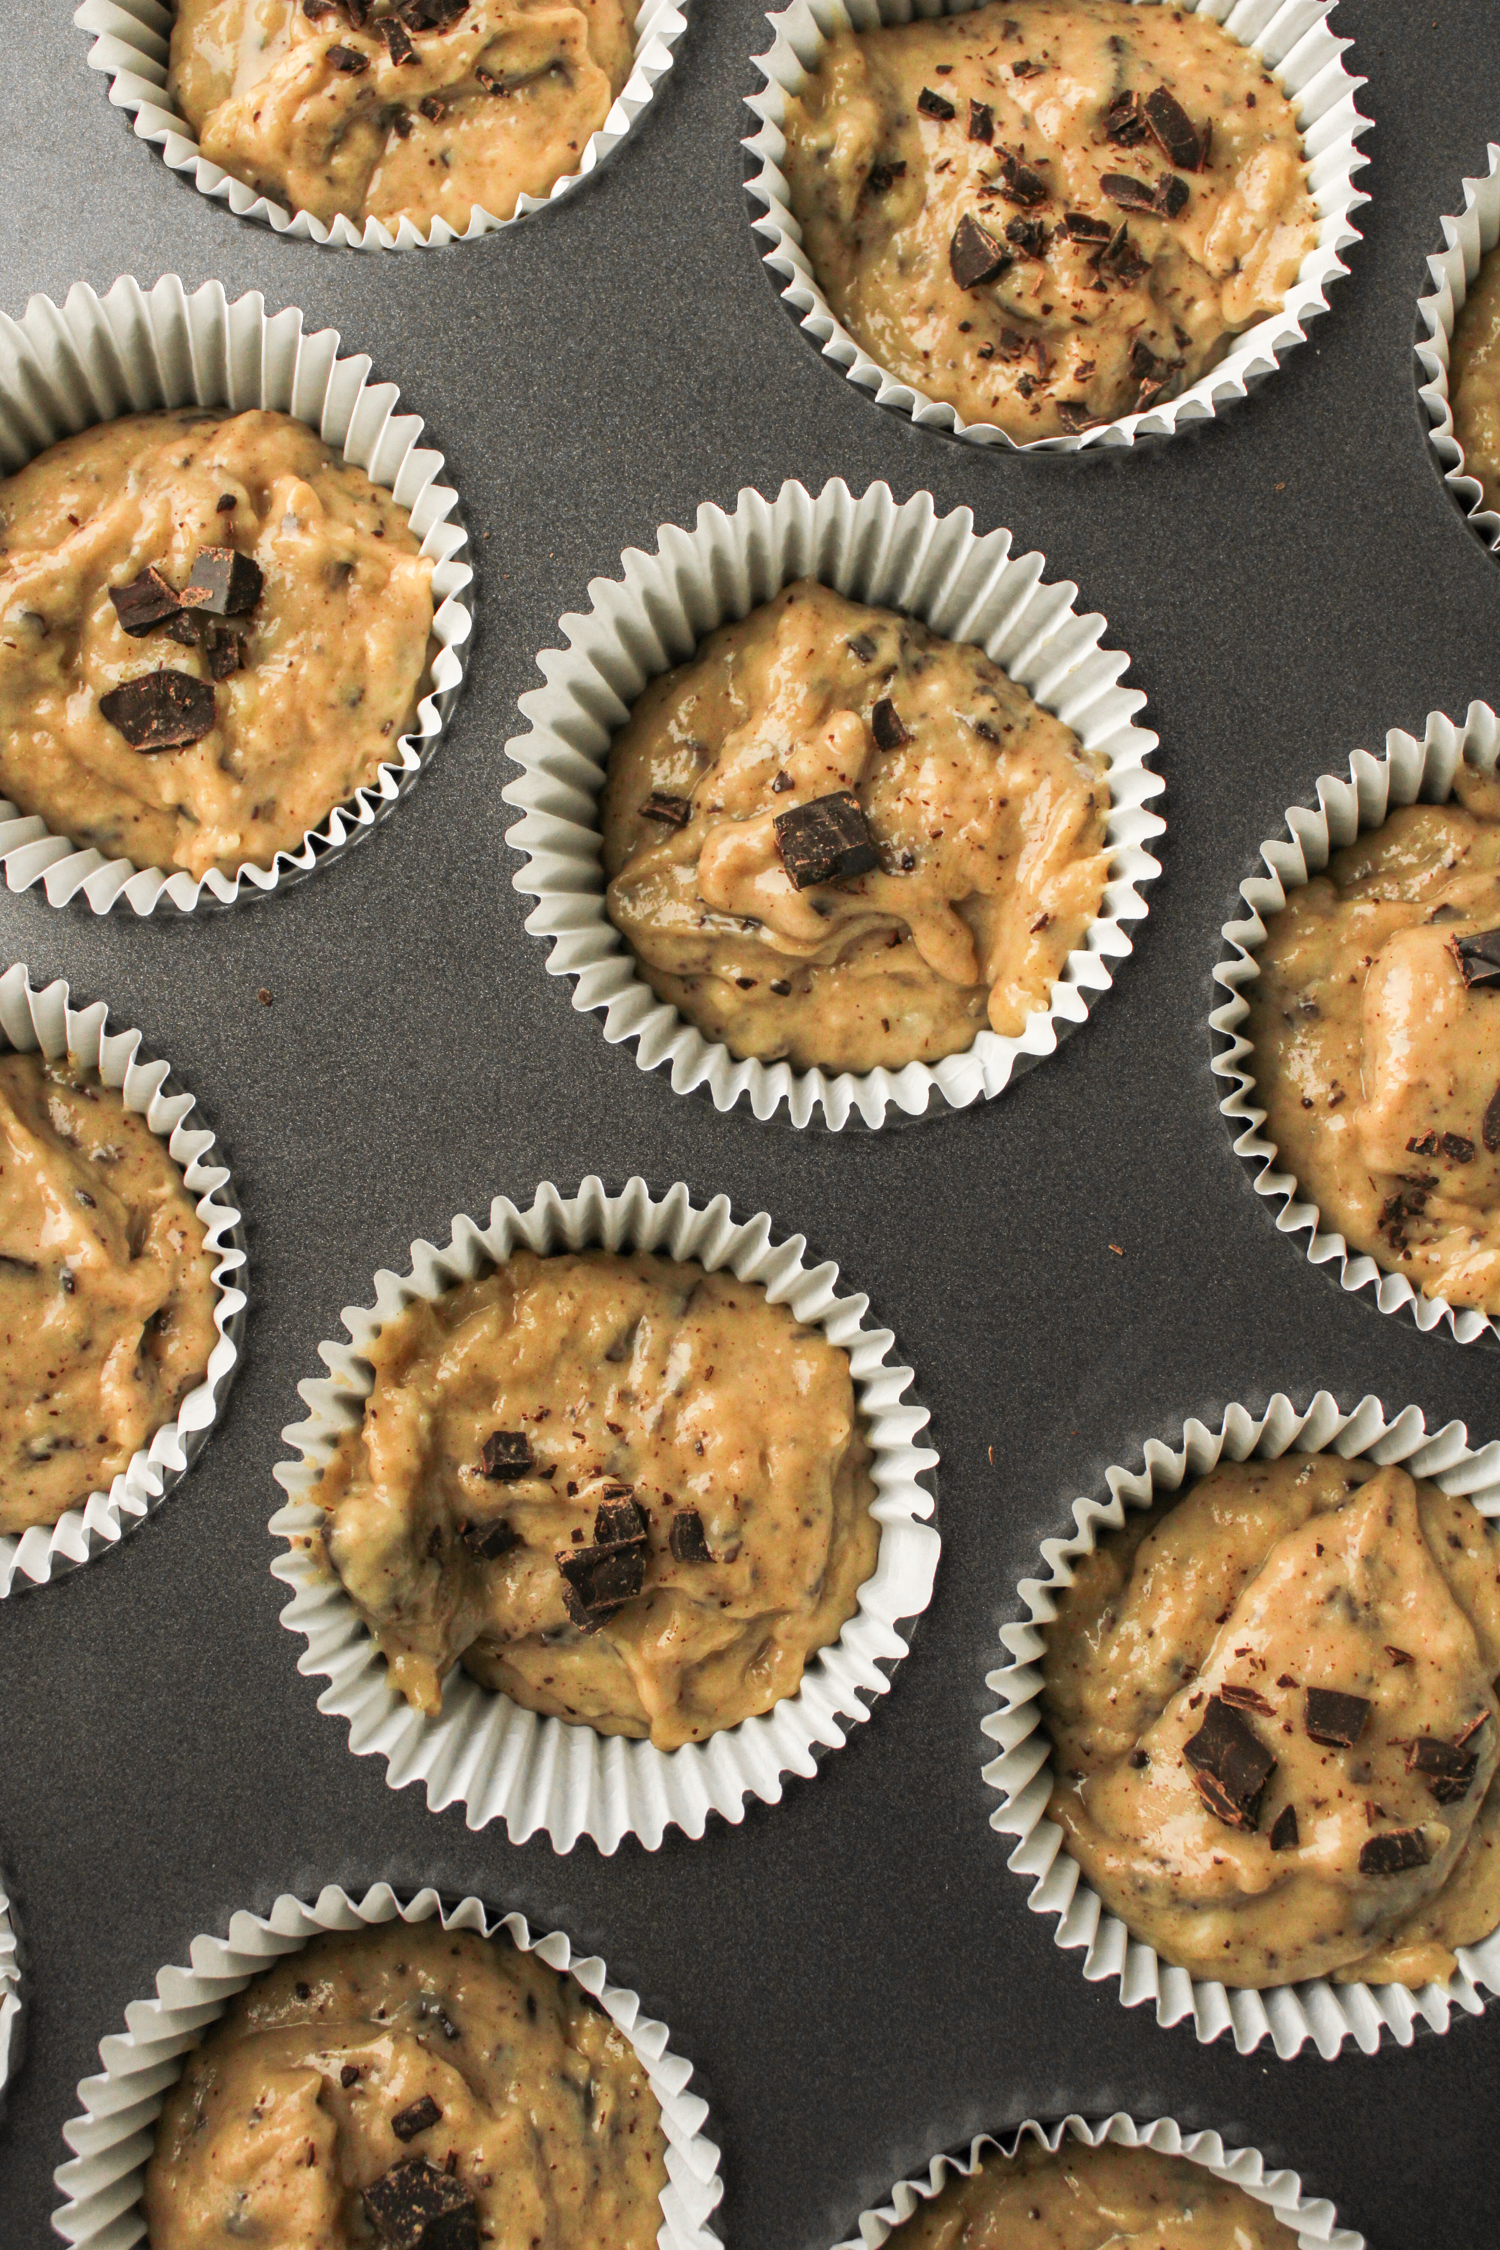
(106, 1289)
(985, 819)
(625, 1491)
(1474, 378)
(409, 2068)
(1376, 1030)
(392, 109)
(1106, 2198)
(1048, 212)
(305, 685)
(1275, 1728)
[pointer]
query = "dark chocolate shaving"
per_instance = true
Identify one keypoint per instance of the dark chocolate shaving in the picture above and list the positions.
(349, 60)
(885, 725)
(600, 1580)
(672, 812)
(161, 710)
(1230, 1765)
(981, 121)
(414, 2206)
(860, 645)
(1335, 1718)
(489, 1537)
(146, 602)
(1398, 1655)
(433, 107)
(226, 653)
(827, 841)
(1176, 135)
(432, 15)
(1131, 195)
(1283, 1836)
(1394, 1853)
(229, 581)
(1466, 1734)
(975, 256)
(1246, 1699)
(1120, 258)
(620, 1521)
(1018, 183)
(1479, 957)
(1029, 236)
(1448, 1772)
(1170, 197)
(415, 2118)
(1082, 228)
(1458, 1148)
(349, 2076)
(686, 1537)
(934, 105)
(506, 1455)
(881, 178)
(397, 39)
(1489, 1124)
(1125, 121)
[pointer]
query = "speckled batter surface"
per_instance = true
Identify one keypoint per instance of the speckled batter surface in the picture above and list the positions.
(1106, 2198)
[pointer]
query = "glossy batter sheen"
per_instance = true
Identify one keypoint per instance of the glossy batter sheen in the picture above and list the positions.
(334, 650)
(688, 1387)
(1378, 1064)
(499, 105)
(1474, 378)
(1279, 1577)
(285, 2112)
(1105, 2198)
(990, 822)
(106, 1289)
(1063, 337)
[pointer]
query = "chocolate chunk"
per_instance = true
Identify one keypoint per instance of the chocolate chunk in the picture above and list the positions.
(1081, 228)
(489, 1537)
(415, 2118)
(349, 2076)
(1131, 195)
(1283, 1836)
(1448, 1772)
(146, 602)
(401, 125)
(827, 841)
(1018, 183)
(861, 646)
(600, 1580)
(1394, 1852)
(1076, 414)
(687, 1540)
(981, 121)
(397, 39)
(885, 725)
(349, 60)
(1458, 1148)
(1335, 1718)
(231, 581)
(432, 15)
(1029, 236)
(433, 107)
(191, 628)
(506, 1455)
(1479, 957)
(226, 653)
(1230, 1765)
(1125, 121)
(1121, 259)
(161, 710)
(1246, 1699)
(414, 2206)
(621, 1521)
(975, 256)
(1024, 69)
(1170, 197)
(316, 10)
(934, 105)
(1144, 364)
(1489, 1124)
(1175, 133)
(881, 178)
(672, 812)
(1398, 1655)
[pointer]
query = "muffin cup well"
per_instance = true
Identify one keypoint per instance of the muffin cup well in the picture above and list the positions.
(1469, 236)
(1288, 2015)
(1292, 39)
(131, 44)
(44, 1021)
(1409, 770)
(10, 1997)
(63, 368)
(500, 1761)
(112, 2139)
(1313, 2221)
(905, 558)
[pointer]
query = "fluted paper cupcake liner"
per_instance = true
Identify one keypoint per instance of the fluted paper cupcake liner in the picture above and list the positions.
(905, 558)
(1409, 770)
(1290, 2015)
(1290, 37)
(45, 1021)
(10, 1997)
(112, 2138)
(501, 1762)
(1469, 237)
(131, 44)
(1312, 2219)
(134, 351)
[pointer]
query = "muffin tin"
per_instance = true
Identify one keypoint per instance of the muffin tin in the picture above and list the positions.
(1071, 1269)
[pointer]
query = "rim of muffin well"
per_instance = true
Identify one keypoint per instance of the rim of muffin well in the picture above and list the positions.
(1469, 236)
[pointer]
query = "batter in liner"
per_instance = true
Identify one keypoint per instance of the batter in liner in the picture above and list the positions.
(1274, 1724)
(624, 1491)
(1105, 2198)
(106, 1289)
(404, 2069)
(309, 682)
(1048, 212)
(984, 815)
(1376, 1030)
(399, 109)
(1474, 378)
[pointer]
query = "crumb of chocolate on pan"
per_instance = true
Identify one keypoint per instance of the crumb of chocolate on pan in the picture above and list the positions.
(161, 710)
(935, 105)
(1283, 1837)
(1229, 1764)
(825, 841)
(348, 59)
(1176, 135)
(1334, 1718)
(975, 256)
(506, 1455)
(488, 1537)
(230, 582)
(686, 1537)
(414, 2206)
(885, 725)
(672, 812)
(416, 2118)
(1447, 1770)
(1395, 1852)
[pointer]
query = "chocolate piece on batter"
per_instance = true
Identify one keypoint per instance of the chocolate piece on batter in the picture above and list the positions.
(1458, 1148)
(415, 2118)
(1489, 1124)
(600, 1580)
(621, 1521)
(1125, 121)
(1284, 1830)
(1335, 1718)
(231, 582)
(397, 39)
(226, 654)
(826, 841)
(975, 256)
(885, 725)
(1121, 258)
(687, 1540)
(146, 602)
(348, 59)
(1230, 1765)
(506, 1455)
(1029, 237)
(1466, 1734)
(1170, 197)
(1394, 1853)
(1082, 228)
(1448, 1772)
(881, 178)
(1076, 414)
(1130, 194)
(1246, 1699)
(1018, 183)
(1479, 957)
(414, 2206)
(432, 15)
(161, 710)
(1177, 136)
(433, 107)
(981, 121)
(489, 1537)
(315, 10)
(1398, 1655)
(672, 812)
(349, 2076)
(934, 105)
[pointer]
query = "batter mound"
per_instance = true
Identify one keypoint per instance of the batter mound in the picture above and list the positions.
(1105, 2198)
(1474, 378)
(212, 632)
(1376, 1030)
(835, 839)
(624, 1491)
(399, 109)
(106, 1289)
(405, 2086)
(1275, 1728)
(1048, 212)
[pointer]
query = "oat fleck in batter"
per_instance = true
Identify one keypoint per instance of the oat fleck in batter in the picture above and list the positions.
(1048, 212)
(985, 816)
(409, 2067)
(1275, 1727)
(106, 1289)
(624, 1491)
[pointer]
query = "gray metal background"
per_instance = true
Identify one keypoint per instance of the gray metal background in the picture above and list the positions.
(854, 1972)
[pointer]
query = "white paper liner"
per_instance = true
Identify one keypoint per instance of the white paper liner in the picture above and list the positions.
(1313, 2220)
(1289, 2015)
(1469, 237)
(112, 2140)
(131, 44)
(133, 351)
(1292, 40)
(10, 1997)
(484, 1751)
(45, 1021)
(906, 558)
(1409, 770)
